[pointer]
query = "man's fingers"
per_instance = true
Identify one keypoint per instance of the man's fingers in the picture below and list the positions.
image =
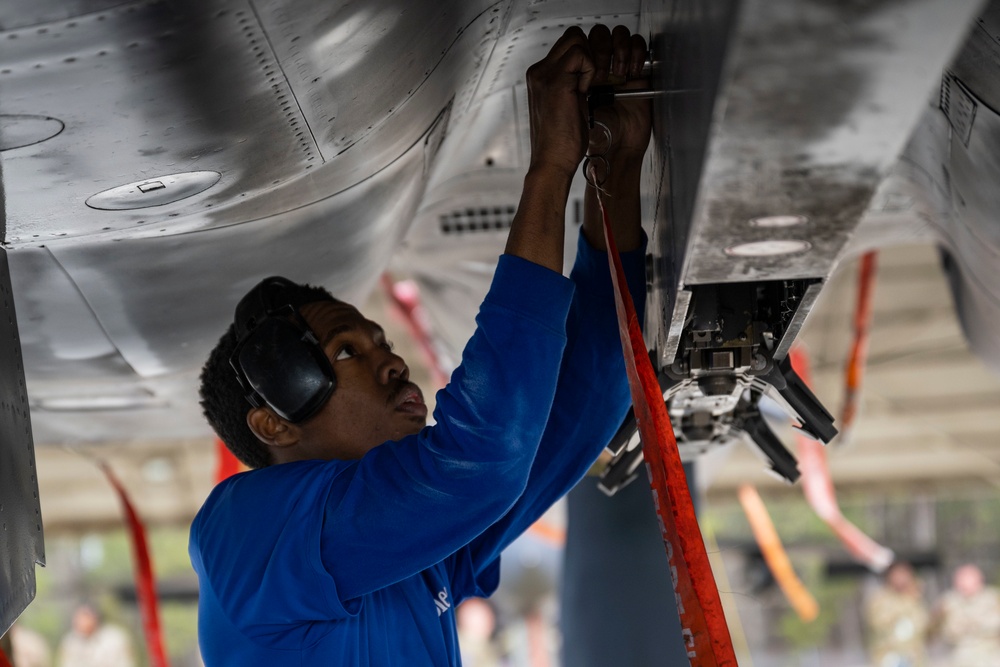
(569, 56)
(601, 46)
(622, 51)
(615, 55)
(573, 36)
(578, 60)
(639, 51)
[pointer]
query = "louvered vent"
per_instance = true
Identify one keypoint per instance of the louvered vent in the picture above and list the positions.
(959, 106)
(483, 219)
(491, 219)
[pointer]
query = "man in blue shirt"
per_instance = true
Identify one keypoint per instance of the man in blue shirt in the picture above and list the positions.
(360, 528)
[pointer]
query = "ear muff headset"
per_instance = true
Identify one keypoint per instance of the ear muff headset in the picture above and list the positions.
(278, 359)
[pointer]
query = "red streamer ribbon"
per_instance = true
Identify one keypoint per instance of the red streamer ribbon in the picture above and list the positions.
(817, 485)
(855, 370)
(145, 586)
(226, 463)
(703, 623)
(405, 298)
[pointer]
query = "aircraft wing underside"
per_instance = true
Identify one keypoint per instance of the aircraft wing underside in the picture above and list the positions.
(160, 157)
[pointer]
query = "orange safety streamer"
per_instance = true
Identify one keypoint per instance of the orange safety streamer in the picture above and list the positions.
(775, 556)
(548, 532)
(145, 586)
(817, 486)
(855, 369)
(226, 463)
(703, 623)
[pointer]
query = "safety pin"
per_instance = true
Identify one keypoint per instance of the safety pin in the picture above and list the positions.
(603, 96)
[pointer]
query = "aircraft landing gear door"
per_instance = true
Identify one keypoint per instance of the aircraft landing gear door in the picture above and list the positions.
(21, 543)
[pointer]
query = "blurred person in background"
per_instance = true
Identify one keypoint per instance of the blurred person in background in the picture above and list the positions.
(29, 649)
(532, 639)
(969, 617)
(477, 623)
(92, 643)
(898, 620)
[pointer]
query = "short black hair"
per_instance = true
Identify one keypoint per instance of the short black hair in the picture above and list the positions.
(223, 399)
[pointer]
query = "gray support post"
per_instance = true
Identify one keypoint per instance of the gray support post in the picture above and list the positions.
(617, 603)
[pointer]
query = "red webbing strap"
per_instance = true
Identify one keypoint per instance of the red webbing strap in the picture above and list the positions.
(145, 587)
(4, 661)
(226, 463)
(817, 485)
(405, 298)
(703, 623)
(855, 370)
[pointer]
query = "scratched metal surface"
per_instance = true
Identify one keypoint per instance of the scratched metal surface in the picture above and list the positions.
(817, 100)
(345, 132)
(21, 544)
(322, 120)
(690, 41)
(945, 188)
(964, 164)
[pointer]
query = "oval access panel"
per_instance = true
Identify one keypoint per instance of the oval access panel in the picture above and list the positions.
(155, 191)
(18, 131)
(768, 248)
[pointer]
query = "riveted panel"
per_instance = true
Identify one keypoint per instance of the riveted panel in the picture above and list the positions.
(20, 514)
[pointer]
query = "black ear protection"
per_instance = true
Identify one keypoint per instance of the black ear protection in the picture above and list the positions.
(278, 359)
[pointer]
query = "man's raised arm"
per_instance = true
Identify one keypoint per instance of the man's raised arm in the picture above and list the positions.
(592, 394)
(557, 109)
(474, 464)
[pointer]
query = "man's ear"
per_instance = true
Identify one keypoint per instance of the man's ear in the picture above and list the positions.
(271, 429)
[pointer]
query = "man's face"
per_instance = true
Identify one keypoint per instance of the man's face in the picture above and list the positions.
(85, 621)
(373, 402)
(968, 580)
(901, 578)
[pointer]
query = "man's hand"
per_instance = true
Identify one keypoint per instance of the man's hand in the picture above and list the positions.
(619, 57)
(557, 87)
(560, 136)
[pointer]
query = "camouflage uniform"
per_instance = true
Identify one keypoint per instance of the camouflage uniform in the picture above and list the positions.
(972, 626)
(898, 625)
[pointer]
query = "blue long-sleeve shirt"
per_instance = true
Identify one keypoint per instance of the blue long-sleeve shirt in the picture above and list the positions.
(362, 562)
